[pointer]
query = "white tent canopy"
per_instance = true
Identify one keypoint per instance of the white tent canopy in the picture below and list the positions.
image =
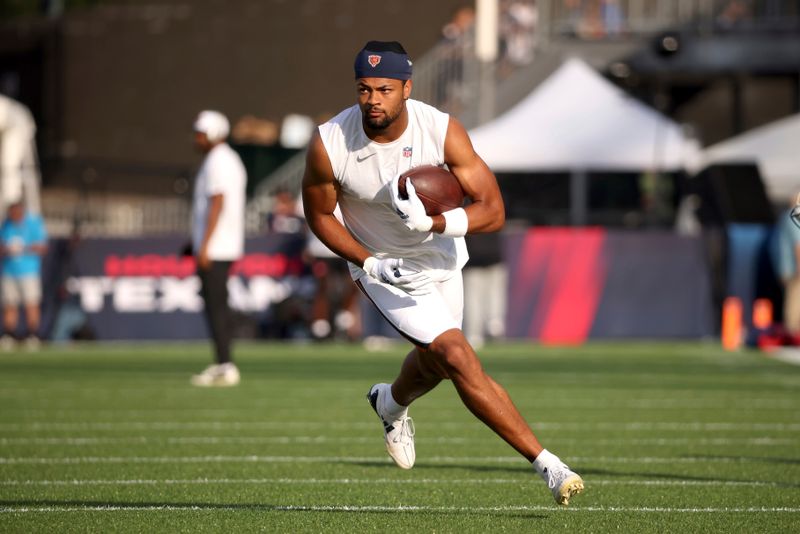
(775, 147)
(576, 119)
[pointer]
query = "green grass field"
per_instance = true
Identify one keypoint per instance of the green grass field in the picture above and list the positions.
(668, 437)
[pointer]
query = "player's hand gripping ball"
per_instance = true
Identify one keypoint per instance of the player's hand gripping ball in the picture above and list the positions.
(437, 188)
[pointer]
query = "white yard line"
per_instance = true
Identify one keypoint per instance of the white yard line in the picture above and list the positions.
(218, 440)
(358, 509)
(370, 481)
(591, 460)
(751, 404)
(712, 426)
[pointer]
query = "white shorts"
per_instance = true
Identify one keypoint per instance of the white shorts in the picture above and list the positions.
(419, 318)
(21, 290)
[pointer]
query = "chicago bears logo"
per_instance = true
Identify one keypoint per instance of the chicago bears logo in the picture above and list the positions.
(374, 59)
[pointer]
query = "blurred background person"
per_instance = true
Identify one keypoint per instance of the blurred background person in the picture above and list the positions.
(485, 283)
(23, 242)
(19, 167)
(289, 318)
(217, 237)
(517, 34)
(335, 308)
(451, 49)
(788, 267)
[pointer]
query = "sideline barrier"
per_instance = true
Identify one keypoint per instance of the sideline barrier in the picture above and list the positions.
(566, 285)
(145, 289)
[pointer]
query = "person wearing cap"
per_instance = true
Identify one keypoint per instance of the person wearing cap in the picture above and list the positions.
(217, 237)
(406, 262)
(23, 242)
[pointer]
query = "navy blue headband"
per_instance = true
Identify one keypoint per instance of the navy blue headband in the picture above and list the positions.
(383, 60)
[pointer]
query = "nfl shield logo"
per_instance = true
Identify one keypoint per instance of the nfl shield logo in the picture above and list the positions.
(374, 60)
(407, 152)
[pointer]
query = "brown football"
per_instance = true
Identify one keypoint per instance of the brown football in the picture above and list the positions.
(437, 188)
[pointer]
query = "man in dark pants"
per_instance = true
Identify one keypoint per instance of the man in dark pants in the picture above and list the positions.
(217, 237)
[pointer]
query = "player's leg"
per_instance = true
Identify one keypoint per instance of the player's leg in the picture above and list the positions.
(453, 357)
(12, 299)
(31, 287)
(414, 380)
(214, 290)
(10, 318)
(490, 402)
(419, 324)
(217, 310)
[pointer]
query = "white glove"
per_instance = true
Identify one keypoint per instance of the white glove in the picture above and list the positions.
(411, 211)
(390, 271)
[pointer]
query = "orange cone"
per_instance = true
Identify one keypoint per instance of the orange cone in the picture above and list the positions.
(732, 323)
(762, 314)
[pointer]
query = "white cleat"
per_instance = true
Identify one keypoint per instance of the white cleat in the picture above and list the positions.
(399, 433)
(222, 375)
(562, 481)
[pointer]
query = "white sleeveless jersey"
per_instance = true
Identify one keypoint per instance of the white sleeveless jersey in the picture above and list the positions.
(365, 169)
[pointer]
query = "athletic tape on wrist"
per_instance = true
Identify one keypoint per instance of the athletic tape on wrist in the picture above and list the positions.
(456, 223)
(427, 225)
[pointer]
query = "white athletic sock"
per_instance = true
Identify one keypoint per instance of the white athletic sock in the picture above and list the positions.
(545, 459)
(391, 410)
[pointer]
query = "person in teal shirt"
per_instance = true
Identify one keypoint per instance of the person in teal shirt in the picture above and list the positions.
(788, 267)
(23, 242)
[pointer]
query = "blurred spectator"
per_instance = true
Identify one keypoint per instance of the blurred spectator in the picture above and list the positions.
(217, 237)
(733, 14)
(23, 242)
(335, 309)
(613, 18)
(573, 15)
(250, 130)
(687, 223)
(485, 286)
(788, 269)
(455, 35)
(19, 176)
(517, 32)
(289, 318)
(285, 217)
(594, 19)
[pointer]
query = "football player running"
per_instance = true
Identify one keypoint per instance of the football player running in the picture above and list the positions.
(407, 263)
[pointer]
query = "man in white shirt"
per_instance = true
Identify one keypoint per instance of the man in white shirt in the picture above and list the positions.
(217, 236)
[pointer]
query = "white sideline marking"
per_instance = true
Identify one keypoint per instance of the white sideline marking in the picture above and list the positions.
(244, 425)
(357, 459)
(213, 440)
(463, 509)
(368, 481)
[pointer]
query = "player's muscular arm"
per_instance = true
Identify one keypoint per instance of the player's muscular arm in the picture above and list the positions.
(487, 212)
(319, 203)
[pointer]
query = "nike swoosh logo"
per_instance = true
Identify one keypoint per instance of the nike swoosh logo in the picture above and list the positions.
(360, 159)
